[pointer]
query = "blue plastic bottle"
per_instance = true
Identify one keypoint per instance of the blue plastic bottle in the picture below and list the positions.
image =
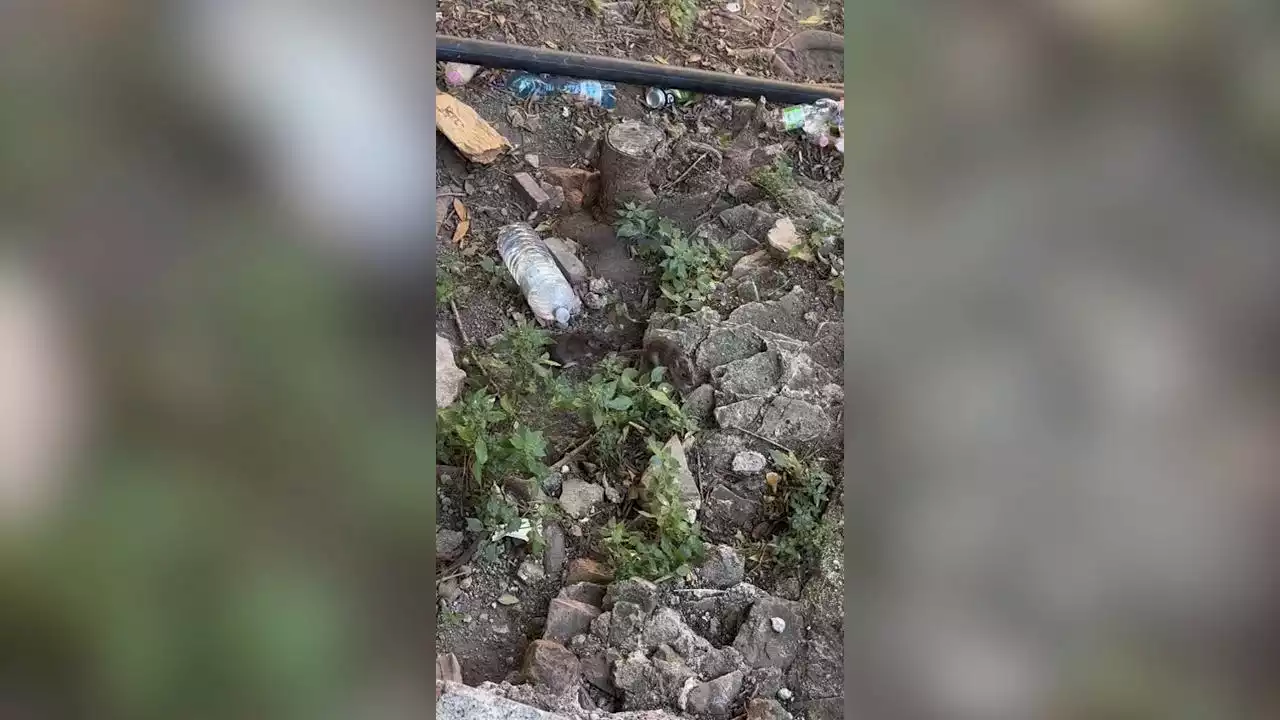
(527, 85)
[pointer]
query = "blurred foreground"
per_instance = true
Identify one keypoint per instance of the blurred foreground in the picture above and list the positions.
(215, 464)
(1063, 315)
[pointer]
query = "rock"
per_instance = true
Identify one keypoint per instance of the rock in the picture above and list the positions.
(532, 191)
(749, 463)
(760, 645)
(778, 624)
(718, 661)
(449, 377)
(726, 344)
(818, 670)
(699, 403)
(784, 316)
(530, 572)
(831, 708)
(729, 509)
(553, 556)
(448, 669)
(581, 187)
(588, 570)
(626, 624)
(785, 242)
(551, 664)
(745, 192)
(578, 498)
(748, 377)
(751, 264)
(448, 544)
(714, 697)
(584, 592)
(801, 376)
(788, 420)
(766, 709)
(750, 220)
(828, 346)
(566, 618)
(690, 496)
(638, 591)
(663, 628)
(785, 694)
(459, 702)
(595, 301)
(508, 599)
(597, 669)
(649, 684)
(555, 195)
(448, 590)
(742, 414)
(533, 160)
(723, 568)
(573, 268)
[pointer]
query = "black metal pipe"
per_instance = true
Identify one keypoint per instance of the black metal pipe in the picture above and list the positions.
(487, 53)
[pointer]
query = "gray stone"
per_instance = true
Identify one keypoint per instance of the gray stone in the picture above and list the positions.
(751, 264)
(750, 220)
(648, 684)
(700, 403)
(718, 661)
(784, 315)
(626, 626)
(566, 618)
(690, 496)
(743, 414)
(555, 196)
(524, 488)
(766, 709)
(551, 664)
(789, 420)
(715, 697)
(745, 192)
(448, 669)
(449, 377)
(639, 591)
(800, 375)
(597, 669)
(568, 261)
(459, 702)
(818, 670)
(448, 544)
(728, 509)
(749, 463)
(578, 498)
(553, 556)
(724, 345)
(748, 290)
(748, 377)
(760, 645)
(663, 628)
(764, 682)
(723, 568)
(530, 572)
(828, 346)
(584, 592)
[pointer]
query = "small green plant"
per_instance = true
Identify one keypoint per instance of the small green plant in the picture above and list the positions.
(497, 273)
(447, 272)
(776, 180)
(681, 14)
(450, 618)
(619, 399)
(691, 268)
(595, 7)
(519, 362)
(667, 543)
(804, 491)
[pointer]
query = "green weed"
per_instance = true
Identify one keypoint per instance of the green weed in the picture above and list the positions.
(776, 180)
(681, 13)
(667, 544)
(690, 267)
(804, 489)
(620, 399)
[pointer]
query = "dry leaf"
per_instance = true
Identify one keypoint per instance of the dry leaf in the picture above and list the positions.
(813, 20)
(464, 222)
(771, 479)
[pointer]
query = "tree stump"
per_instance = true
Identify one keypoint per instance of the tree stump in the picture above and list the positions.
(626, 159)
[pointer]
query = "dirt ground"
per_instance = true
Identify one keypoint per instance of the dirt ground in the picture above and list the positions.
(488, 637)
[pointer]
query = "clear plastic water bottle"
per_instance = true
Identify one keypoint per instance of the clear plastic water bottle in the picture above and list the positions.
(535, 270)
(527, 85)
(816, 120)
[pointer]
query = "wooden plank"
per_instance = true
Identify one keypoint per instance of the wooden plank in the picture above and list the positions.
(474, 138)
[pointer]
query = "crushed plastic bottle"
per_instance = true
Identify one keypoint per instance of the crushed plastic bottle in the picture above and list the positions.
(459, 74)
(534, 268)
(817, 121)
(527, 85)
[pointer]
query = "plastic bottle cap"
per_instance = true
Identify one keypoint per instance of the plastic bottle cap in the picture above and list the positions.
(562, 316)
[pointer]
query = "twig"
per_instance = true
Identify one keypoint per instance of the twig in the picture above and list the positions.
(739, 18)
(458, 319)
(774, 443)
(684, 174)
(776, 16)
(569, 455)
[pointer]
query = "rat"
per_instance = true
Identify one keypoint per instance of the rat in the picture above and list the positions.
(660, 351)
